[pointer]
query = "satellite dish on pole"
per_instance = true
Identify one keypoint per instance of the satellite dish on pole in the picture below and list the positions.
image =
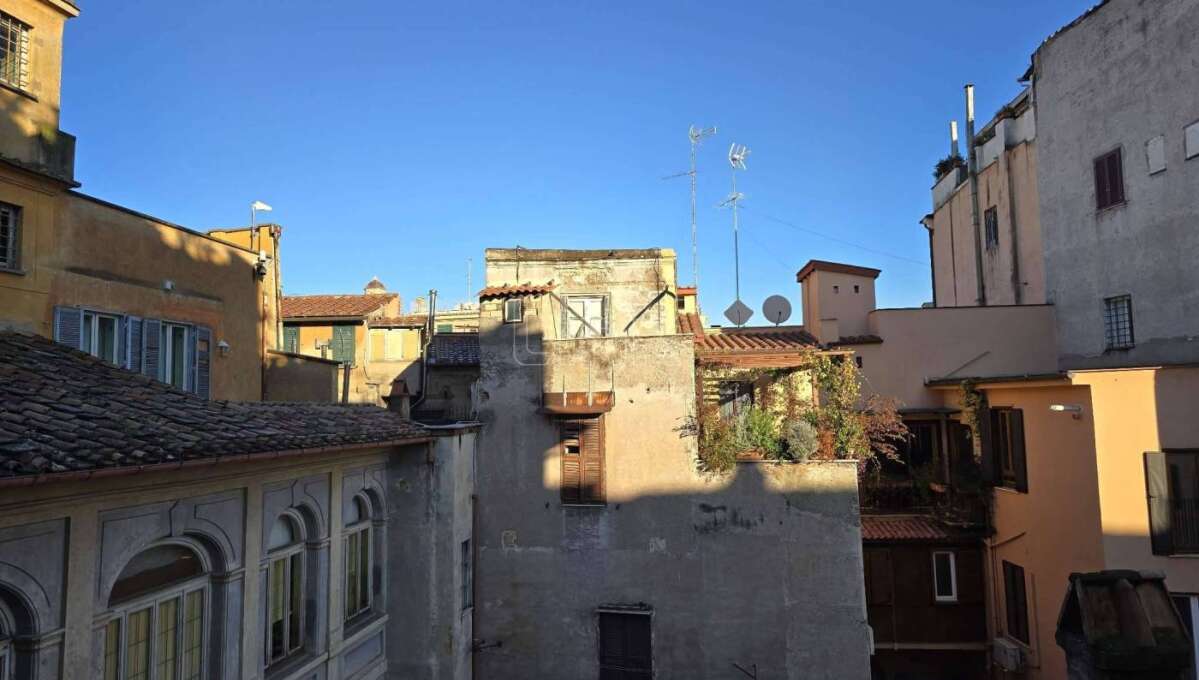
(777, 309)
(738, 313)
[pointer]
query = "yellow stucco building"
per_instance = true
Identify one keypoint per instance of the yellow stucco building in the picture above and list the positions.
(196, 310)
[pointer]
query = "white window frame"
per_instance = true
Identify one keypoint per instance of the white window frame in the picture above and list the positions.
(285, 554)
(167, 354)
(511, 304)
(10, 255)
(152, 601)
(583, 331)
(91, 344)
(362, 530)
(953, 577)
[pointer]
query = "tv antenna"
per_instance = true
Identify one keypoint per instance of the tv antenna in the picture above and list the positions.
(696, 135)
(737, 155)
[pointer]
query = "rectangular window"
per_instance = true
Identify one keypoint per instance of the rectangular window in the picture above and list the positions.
(14, 52)
(445, 328)
(1191, 140)
(1109, 180)
(291, 339)
(1172, 481)
(945, 576)
(10, 231)
(284, 606)
(585, 316)
(1117, 322)
(112, 650)
(1015, 601)
(514, 310)
(581, 450)
(137, 648)
(193, 635)
(99, 337)
(1155, 154)
(387, 344)
(736, 397)
(1007, 447)
(468, 576)
(625, 646)
(166, 625)
(991, 223)
(358, 569)
(175, 357)
(342, 343)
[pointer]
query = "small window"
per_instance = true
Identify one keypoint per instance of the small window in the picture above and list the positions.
(736, 397)
(357, 559)
(836, 289)
(291, 339)
(858, 361)
(1109, 180)
(1192, 140)
(581, 451)
(1007, 441)
(285, 592)
(14, 52)
(1117, 322)
(99, 336)
(991, 225)
(1015, 601)
(468, 576)
(1172, 482)
(445, 328)
(1155, 154)
(10, 232)
(857, 288)
(626, 650)
(514, 310)
(173, 369)
(585, 316)
(945, 576)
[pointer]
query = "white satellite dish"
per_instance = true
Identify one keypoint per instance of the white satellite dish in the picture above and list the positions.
(777, 309)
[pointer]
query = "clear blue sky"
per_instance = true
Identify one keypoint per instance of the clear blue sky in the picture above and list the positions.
(399, 139)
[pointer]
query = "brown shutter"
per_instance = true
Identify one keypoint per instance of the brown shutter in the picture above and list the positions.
(878, 576)
(1115, 178)
(591, 438)
(1019, 461)
(1101, 184)
(1157, 484)
(569, 451)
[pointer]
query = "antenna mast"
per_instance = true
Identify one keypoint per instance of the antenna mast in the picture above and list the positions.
(696, 135)
(737, 156)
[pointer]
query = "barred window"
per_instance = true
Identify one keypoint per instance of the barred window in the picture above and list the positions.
(10, 224)
(991, 223)
(14, 52)
(1117, 322)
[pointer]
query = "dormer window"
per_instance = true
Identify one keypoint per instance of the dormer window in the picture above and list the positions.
(14, 52)
(514, 310)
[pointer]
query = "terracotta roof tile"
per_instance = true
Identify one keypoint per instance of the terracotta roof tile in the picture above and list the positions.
(406, 321)
(62, 410)
(454, 349)
(906, 528)
(757, 339)
(519, 289)
(300, 306)
(690, 324)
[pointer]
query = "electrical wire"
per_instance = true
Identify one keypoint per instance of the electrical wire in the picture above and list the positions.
(842, 241)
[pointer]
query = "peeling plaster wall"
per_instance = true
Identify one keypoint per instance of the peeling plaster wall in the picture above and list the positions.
(762, 566)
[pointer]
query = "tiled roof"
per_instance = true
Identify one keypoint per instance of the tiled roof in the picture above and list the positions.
(454, 349)
(905, 528)
(64, 411)
(300, 306)
(406, 321)
(758, 339)
(519, 289)
(690, 324)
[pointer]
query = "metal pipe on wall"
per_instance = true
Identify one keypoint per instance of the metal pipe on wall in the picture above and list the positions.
(974, 221)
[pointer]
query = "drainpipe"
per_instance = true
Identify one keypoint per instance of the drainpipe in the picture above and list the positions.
(424, 350)
(978, 248)
(1017, 289)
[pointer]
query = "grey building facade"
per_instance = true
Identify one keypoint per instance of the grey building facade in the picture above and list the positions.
(1117, 105)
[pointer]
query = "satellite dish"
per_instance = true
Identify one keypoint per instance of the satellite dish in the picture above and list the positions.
(738, 313)
(776, 309)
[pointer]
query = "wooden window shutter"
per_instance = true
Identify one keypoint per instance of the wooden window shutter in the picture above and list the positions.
(988, 424)
(291, 339)
(68, 326)
(592, 446)
(878, 576)
(570, 452)
(1157, 486)
(1115, 177)
(133, 343)
(1016, 441)
(1102, 195)
(203, 354)
(151, 346)
(343, 343)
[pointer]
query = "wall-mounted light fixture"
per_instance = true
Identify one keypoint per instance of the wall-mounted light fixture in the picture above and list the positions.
(1075, 410)
(223, 348)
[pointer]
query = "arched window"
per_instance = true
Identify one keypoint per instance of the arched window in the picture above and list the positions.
(159, 605)
(357, 533)
(285, 590)
(4, 647)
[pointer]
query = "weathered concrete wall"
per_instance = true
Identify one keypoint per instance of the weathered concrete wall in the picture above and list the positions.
(758, 567)
(1122, 76)
(919, 344)
(295, 377)
(432, 498)
(449, 391)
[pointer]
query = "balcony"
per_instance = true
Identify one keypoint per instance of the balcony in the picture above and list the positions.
(1184, 525)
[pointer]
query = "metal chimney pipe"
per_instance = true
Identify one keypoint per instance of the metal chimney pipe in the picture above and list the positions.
(973, 168)
(953, 138)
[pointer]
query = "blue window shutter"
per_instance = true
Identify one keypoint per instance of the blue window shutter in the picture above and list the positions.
(151, 341)
(68, 326)
(133, 343)
(203, 355)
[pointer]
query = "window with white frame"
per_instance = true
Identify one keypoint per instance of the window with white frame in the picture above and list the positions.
(285, 591)
(514, 310)
(14, 52)
(175, 360)
(945, 576)
(99, 336)
(10, 232)
(585, 316)
(157, 625)
(357, 558)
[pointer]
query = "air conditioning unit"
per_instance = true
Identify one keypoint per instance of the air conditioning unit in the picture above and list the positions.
(1008, 655)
